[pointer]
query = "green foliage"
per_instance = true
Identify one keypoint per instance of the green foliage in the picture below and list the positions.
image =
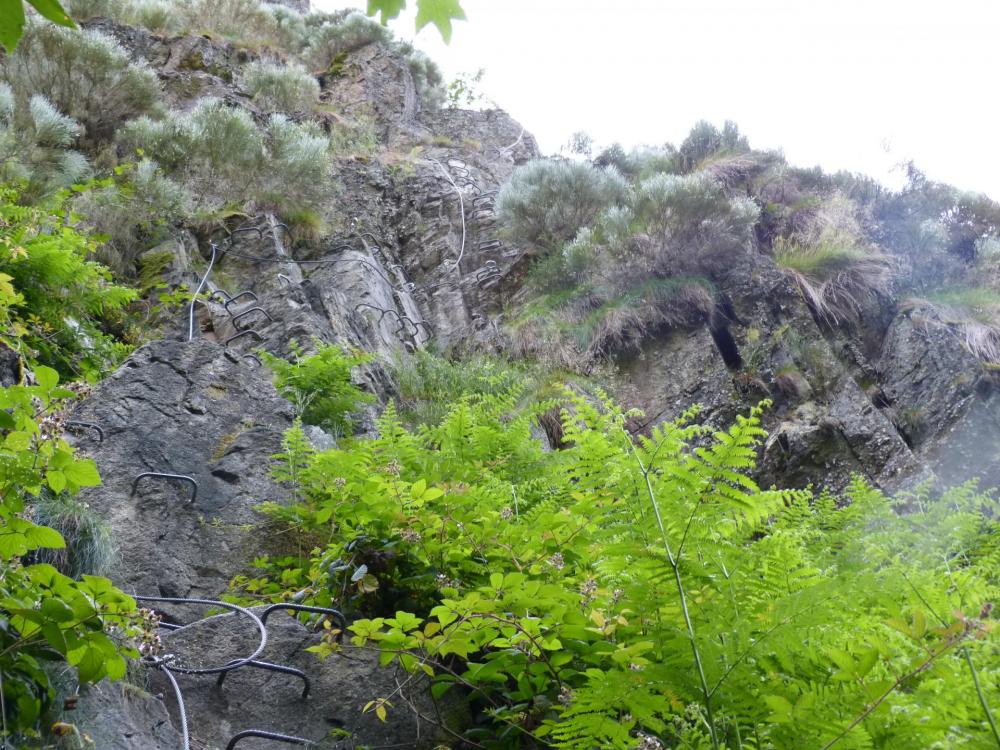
(137, 207)
(635, 264)
(281, 88)
(36, 145)
(89, 547)
(626, 587)
(225, 159)
(548, 201)
(47, 615)
(838, 273)
(320, 384)
(12, 19)
(85, 75)
(438, 12)
(57, 302)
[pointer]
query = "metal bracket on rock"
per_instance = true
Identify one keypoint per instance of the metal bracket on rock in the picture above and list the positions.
(167, 663)
(282, 277)
(243, 314)
(241, 334)
(268, 666)
(287, 739)
(254, 357)
(88, 426)
(161, 475)
(247, 293)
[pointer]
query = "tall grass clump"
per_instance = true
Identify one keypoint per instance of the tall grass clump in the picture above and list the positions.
(281, 88)
(975, 312)
(84, 74)
(90, 547)
(837, 271)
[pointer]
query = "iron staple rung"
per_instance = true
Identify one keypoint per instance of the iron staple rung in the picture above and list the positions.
(287, 739)
(240, 316)
(88, 426)
(270, 667)
(246, 293)
(162, 475)
(241, 334)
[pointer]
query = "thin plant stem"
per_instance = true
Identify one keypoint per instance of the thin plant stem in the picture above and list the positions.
(675, 566)
(968, 660)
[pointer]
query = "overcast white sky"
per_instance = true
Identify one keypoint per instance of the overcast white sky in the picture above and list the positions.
(845, 84)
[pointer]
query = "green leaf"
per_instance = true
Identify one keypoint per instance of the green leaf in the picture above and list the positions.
(440, 13)
(11, 23)
(83, 472)
(17, 441)
(389, 9)
(46, 377)
(53, 11)
(56, 480)
(56, 610)
(42, 536)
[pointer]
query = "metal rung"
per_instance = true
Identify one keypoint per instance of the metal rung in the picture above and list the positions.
(161, 475)
(89, 426)
(287, 739)
(268, 666)
(247, 293)
(248, 332)
(247, 312)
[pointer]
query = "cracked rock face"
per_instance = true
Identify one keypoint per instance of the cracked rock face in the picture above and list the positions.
(193, 410)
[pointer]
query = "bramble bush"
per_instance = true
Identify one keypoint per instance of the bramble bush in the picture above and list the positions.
(51, 302)
(643, 591)
(58, 301)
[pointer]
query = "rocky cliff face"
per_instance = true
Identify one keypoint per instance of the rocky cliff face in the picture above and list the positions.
(417, 257)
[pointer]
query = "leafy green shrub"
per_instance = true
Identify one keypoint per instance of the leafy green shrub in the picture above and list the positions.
(84, 74)
(547, 202)
(320, 385)
(626, 588)
(45, 615)
(221, 155)
(134, 210)
(36, 146)
(281, 88)
(330, 36)
(63, 301)
(89, 627)
(695, 226)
